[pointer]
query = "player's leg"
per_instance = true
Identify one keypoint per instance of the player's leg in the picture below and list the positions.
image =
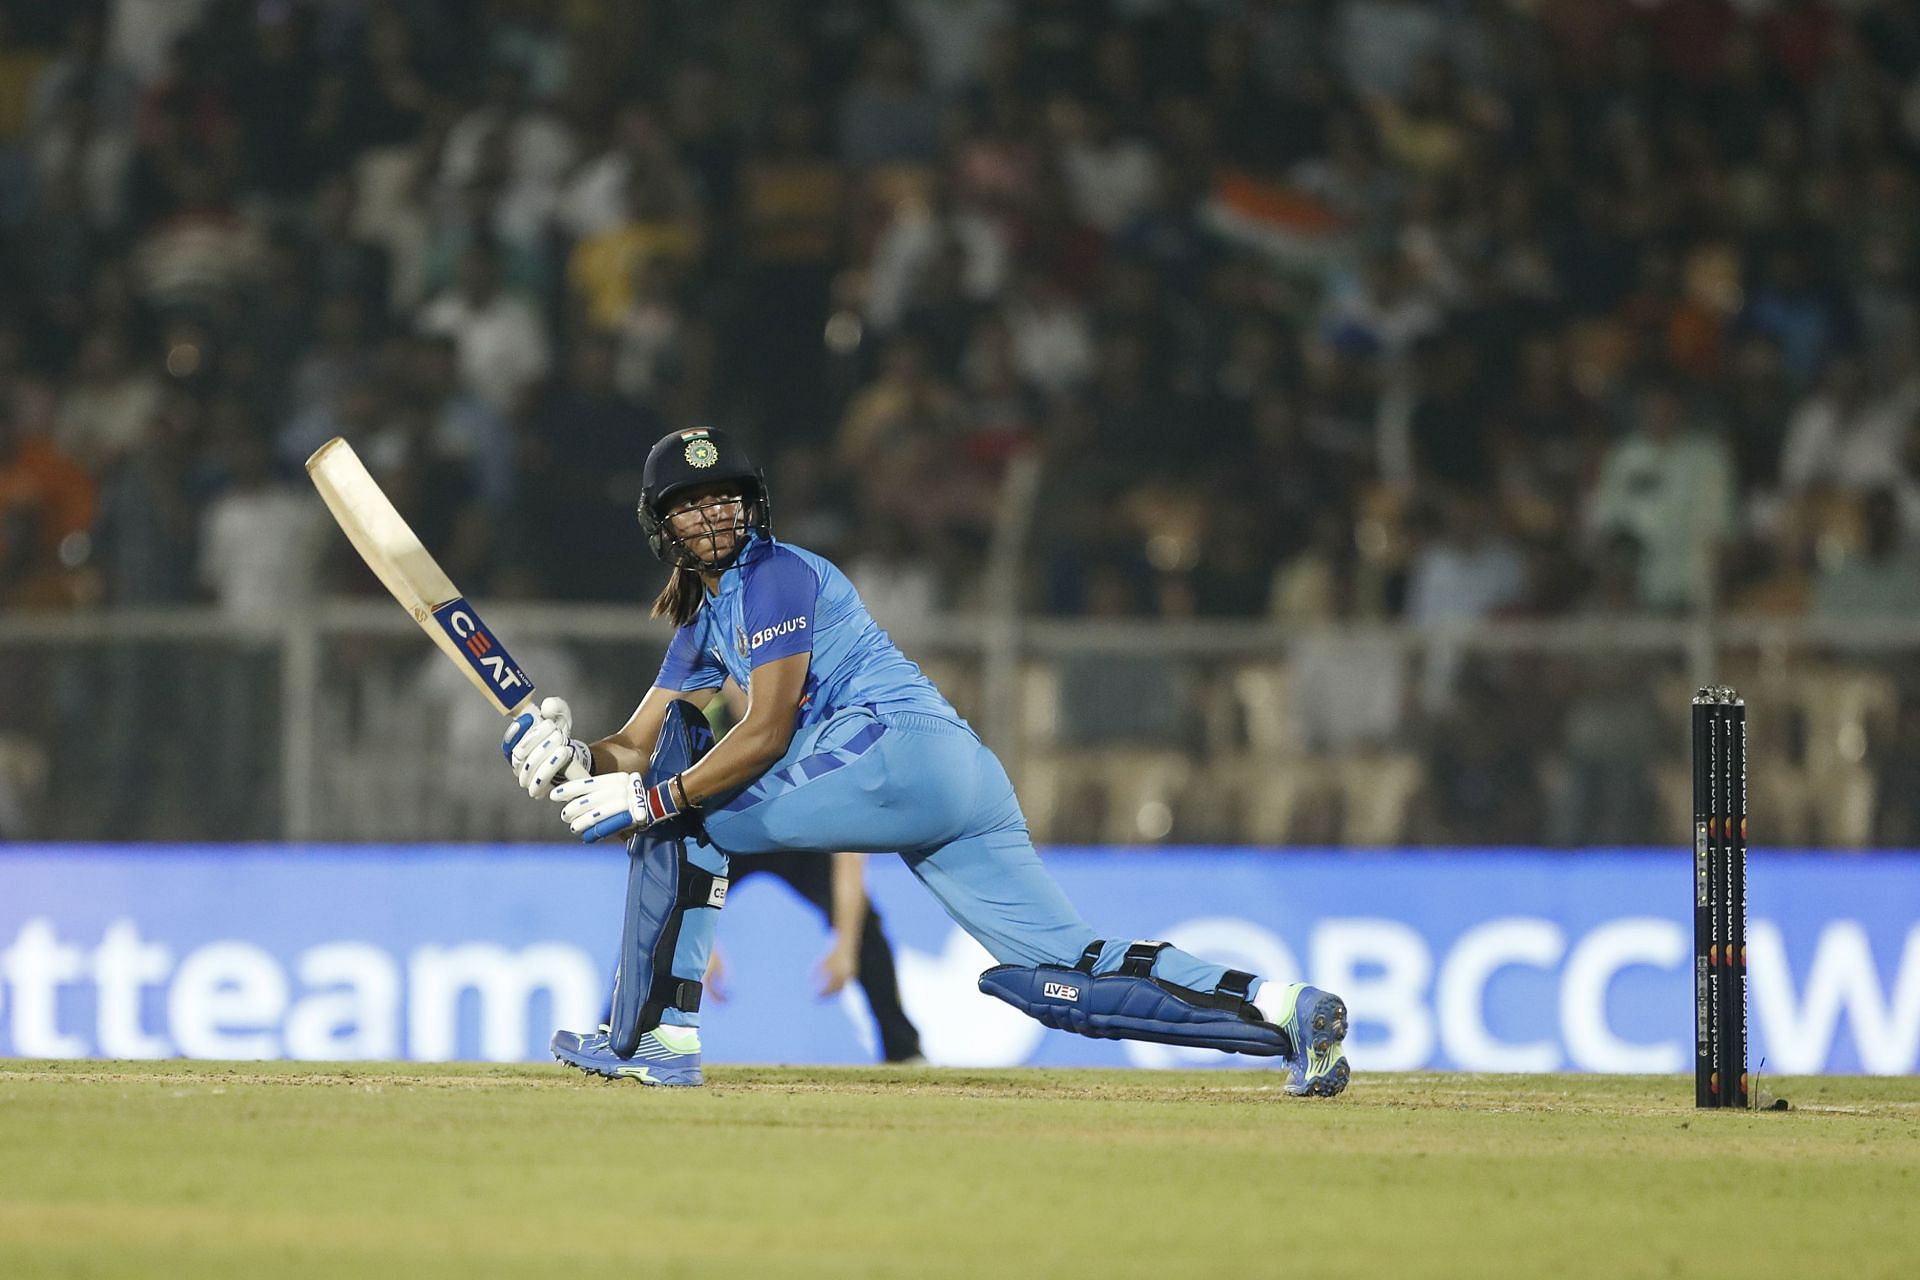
(854, 782)
(928, 787)
(1054, 968)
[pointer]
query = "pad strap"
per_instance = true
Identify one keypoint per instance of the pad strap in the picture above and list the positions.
(701, 888)
(1236, 983)
(1140, 957)
(1234, 991)
(670, 992)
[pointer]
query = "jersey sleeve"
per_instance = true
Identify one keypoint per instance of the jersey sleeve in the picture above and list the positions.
(777, 608)
(689, 665)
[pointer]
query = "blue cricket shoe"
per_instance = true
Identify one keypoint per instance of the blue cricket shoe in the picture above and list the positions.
(665, 1056)
(1316, 1022)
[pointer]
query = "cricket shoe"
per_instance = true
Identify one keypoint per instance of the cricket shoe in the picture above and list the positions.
(1316, 1022)
(665, 1056)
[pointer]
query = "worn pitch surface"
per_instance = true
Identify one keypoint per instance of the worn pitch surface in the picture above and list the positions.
(211, 1169)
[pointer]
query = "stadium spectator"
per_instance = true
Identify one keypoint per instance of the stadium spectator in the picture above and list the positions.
(1849, 434)
(887, 115)
(1671, 488)
(46, 504)
(260, 538)
(500, 341)
(108, 404)
(1881, 578)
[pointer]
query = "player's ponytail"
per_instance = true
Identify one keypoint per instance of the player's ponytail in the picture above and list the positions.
(680, 600)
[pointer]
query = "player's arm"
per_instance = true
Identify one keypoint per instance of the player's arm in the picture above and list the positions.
(622, 801)
(627, 749)
(762, 736)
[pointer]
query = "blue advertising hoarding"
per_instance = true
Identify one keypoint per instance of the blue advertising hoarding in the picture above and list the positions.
(1501, 960)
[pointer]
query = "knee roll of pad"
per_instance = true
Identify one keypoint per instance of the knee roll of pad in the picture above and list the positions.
(684, 737)
(663, 885)
(1131, 1004)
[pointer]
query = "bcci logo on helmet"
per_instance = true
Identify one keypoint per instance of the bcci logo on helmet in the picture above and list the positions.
(702, 453)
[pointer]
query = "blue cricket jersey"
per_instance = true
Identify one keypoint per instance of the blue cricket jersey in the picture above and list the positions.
(779, 600)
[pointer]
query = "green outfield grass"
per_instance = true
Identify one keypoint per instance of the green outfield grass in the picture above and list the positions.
(205, 1169)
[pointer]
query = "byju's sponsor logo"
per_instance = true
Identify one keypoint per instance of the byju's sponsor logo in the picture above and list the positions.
(788, 627)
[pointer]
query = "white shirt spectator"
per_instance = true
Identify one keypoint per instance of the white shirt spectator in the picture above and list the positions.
(651, 335)
(1394, 319)
(1854, 448)
(909, 244)
(540, 150)
(99, 423)
(1347, 689)
(952, 36)
(191, 257)
(142, 33)
(897, 590)
(260, 549)
(1052, 342)
(1378, 42)
(1676, 496)
(595, 198)
(1110, 181)
(502, 344)
(1455, 583)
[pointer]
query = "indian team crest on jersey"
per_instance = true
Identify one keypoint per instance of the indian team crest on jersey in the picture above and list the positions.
(740, 645)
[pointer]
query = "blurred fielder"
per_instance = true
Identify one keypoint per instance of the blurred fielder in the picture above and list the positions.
(845, 745)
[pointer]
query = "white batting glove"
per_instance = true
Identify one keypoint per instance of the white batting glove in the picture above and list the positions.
(539, 747)
(614, 804)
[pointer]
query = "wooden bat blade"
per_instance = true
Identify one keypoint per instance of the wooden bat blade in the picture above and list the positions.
(396, 556)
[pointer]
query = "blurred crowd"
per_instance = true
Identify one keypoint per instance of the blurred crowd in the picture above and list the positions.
(1434, 309)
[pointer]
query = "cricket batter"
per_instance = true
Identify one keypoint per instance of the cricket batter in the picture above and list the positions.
(845, 745)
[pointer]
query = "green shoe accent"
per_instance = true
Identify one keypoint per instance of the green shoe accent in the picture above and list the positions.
(1290, 1001)
(678, 1039)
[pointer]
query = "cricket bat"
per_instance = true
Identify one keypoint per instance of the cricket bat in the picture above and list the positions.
(416, 580)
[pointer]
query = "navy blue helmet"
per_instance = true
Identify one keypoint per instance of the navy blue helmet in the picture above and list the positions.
(691, 459)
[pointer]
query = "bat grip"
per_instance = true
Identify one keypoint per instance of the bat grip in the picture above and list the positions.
(574, 773)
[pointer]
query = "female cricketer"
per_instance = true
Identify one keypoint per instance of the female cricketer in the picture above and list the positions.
(845, 745)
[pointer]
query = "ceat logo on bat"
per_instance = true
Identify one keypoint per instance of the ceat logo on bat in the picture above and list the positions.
(482, 652)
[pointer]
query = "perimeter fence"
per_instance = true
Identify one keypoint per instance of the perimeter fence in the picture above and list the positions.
(342, 724)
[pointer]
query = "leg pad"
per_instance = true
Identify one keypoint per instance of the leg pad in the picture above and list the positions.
(1133, 1005)
(662, 886)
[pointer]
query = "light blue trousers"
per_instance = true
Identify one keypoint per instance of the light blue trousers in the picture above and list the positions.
(929, 790)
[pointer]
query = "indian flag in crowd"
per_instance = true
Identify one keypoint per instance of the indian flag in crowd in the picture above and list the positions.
(1286, 224)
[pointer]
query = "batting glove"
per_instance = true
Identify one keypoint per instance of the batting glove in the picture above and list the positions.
(539, 747)
(615, 804)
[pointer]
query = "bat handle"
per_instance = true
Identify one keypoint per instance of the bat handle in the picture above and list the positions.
(574, 773)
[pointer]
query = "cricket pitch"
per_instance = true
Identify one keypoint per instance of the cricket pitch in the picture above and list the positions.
(299, 1169)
